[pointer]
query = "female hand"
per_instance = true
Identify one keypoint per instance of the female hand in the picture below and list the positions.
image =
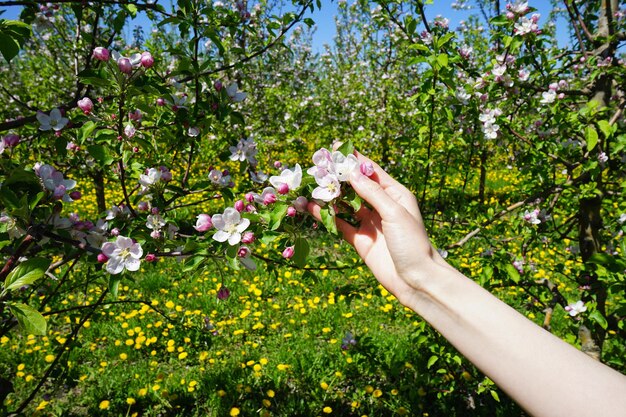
(391, 238)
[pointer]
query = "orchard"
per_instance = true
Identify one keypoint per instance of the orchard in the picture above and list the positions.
(157, 255)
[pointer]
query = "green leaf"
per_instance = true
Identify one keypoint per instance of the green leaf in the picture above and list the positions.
(328, 219)
(431, 361)
(442, 60)
(513, 274)
(301, 253)
(13, 36)
(495, 396)
(606, 128)
(114, 285)
(29, 319)
(100, 154)
(591, 136)
(599, 318)
(277, 216)
(26, 273)
(346, 148)
(86, 130)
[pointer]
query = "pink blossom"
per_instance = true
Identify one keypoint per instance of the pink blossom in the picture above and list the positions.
(85, 104)
(147, 60)
(125, 65)
(247, 238)
(288, 252)
(101, 54)
(203, 223)
(102, 258)
(151, 257)
(239, 205)
(291, 211)
(367, 169)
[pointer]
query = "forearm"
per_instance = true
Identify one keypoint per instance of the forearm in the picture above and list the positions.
(543, 374)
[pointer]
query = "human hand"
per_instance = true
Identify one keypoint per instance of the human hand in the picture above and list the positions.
(391, 238)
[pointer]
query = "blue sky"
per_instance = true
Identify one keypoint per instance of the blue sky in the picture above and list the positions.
(324, 18)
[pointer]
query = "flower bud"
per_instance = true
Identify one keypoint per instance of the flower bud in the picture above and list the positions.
(155, 234)
(154, 210)
(151, 257)
(101, 54)
(223, 293)
(124, 65)
(160, 102)
(218, 85)
(11, 139)
(247, 238)
(300, 203)
(291, 211)
(102, 258)
(367, 169)
(203, 223)
(277, 164)
(75, 195)
(243, 252)
(269, 199)
(147, 60)
(85, 104)
(115, 231)
(510, 15)
(283, 188)
(239, 205)
(288, 252)
(250, 208)
(249, 197)
(143, 206)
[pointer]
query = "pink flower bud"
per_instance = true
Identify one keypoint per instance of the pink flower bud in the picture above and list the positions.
(223, 293)
(239, 205)
(283, 188)
(243, 252)
(291, 211)
(135, 149)
(85, 104)
(147, 60)
(143, 206)
(288, 252)
(115, 231)
(249, 197)
(247, 238)
(154, 210)
(151, 257)
(102, 258)
(155, 234)
(218, 85)
(101, 54)
(269, 199)
(203, 223)
(277, 164)
(510, 15)
(250, 208)
(124, 65)
(11, 139)
(75, 195)
(160, 102)
(300, 203)
(367, 169)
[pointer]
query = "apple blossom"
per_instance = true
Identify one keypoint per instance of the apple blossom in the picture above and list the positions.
(288, 252)
(229, 226)
(147, 60)
(85, 104)
(233, 92)
(53, 181)
(54, 121)
(248, 237)
(291, 178)
(203, 223)
(576, 308)
(101, 54)
(123, 254)
(328, 188)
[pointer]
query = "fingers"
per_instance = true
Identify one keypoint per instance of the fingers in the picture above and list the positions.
(375, 195)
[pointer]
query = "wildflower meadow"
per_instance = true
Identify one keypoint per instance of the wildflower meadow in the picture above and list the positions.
(157, 254)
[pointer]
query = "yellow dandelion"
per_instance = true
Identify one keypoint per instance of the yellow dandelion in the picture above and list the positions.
(104, 405)
(327, 410)
(49, 358)
(234, 411)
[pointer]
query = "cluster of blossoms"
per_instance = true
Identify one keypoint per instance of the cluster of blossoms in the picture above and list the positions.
(331, 169)
(125, 64)
(245, 150)
(523, 25)
(152, 177)
(488, 119)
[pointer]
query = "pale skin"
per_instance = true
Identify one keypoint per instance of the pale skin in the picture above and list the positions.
(543, 374)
